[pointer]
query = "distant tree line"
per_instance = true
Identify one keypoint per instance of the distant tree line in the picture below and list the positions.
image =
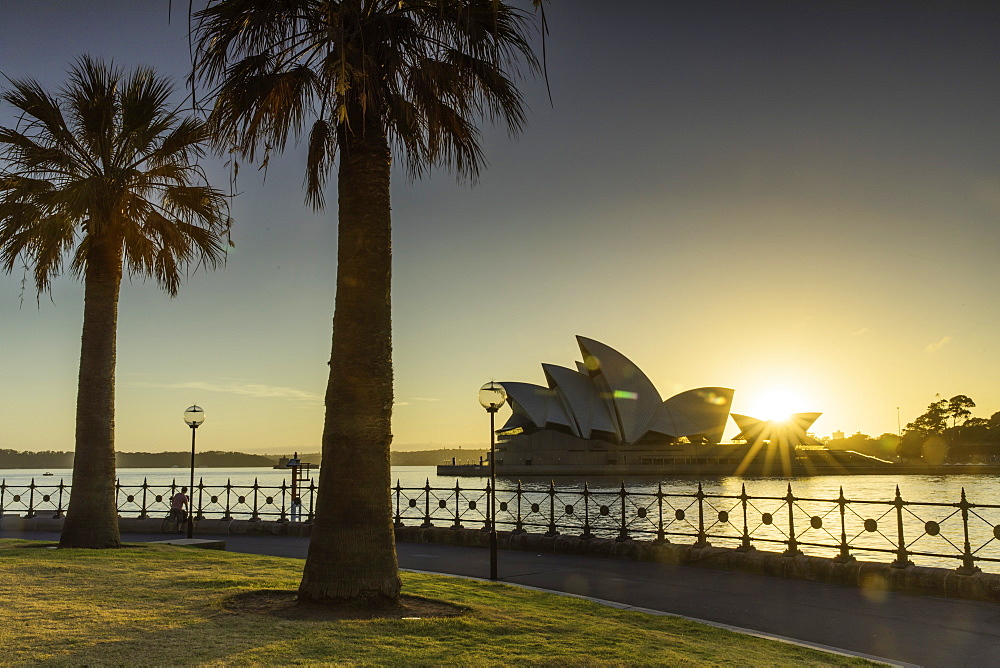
(44, 459)
(945, 433)
(49, 459)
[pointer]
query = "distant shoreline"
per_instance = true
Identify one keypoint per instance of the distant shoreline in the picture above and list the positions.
(12, 459)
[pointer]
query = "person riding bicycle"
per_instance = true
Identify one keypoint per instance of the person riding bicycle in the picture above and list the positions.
(178, 505)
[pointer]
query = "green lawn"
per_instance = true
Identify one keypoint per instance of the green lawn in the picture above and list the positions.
(160, 605)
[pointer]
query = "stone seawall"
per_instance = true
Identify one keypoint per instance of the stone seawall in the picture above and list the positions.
(155, 524)
(872, 576)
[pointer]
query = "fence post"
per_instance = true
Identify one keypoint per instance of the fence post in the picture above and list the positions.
(427, 504)
(745, 545)
(458, 510)
(201, 498)
(793, 544)
(118, 489)
(254, 515)
(398, 521)
(519, 524)
(489, 500)
(586, 535)
(622, 530)
(59, 507)
(702, 538)
(173, 490)
(284, 492)
(142, 509)
(229, 490)
(173, 486)
(661, 537)
(3, 492)
(968, 566)
(552, 510)
(902, 560)
(31, 499)
(845, 550)
(312, 501)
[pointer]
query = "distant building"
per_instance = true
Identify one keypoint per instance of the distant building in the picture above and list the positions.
(838, 435)
(609, 399)
(606, 417)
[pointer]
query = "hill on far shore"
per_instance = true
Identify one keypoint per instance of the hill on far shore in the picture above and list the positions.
(435, 457)
(49, 459)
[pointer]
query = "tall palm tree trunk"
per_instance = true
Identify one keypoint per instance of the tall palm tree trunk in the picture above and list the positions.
(353, 526)
(92, 517)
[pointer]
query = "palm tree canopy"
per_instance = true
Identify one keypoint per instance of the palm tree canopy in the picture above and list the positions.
(107, 156)
(427, 68)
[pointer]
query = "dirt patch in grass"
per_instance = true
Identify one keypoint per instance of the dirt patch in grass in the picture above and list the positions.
(284, 603)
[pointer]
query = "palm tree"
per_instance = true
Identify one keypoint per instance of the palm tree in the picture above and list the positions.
(104, 172)
(377, 79)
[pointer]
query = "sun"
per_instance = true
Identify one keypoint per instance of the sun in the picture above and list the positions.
(776, 404)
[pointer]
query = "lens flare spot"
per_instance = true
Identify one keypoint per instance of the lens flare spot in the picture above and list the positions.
(713, 398)
(874, 587)
(934, 450)
(623, 394)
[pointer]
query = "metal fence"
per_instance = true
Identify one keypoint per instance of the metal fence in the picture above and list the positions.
(225, 502)
(902, 531)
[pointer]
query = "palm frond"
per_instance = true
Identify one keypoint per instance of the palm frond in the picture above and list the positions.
(93, 105)
(108, 157)
(322, 151)
(144, 99)
(262, 106)
(428, 69)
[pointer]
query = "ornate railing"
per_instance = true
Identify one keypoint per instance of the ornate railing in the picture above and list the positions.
(897, 530)
(226, 502)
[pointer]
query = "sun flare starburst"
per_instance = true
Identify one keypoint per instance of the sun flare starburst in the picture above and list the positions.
(776, 404)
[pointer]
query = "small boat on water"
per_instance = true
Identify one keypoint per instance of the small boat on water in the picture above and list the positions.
(48, 473)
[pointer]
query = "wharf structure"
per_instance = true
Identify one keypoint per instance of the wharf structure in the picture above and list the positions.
(605, 417)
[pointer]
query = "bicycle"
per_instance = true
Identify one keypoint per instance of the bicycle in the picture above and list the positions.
(174, 522)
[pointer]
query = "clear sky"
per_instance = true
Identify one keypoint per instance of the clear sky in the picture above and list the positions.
(789, 202)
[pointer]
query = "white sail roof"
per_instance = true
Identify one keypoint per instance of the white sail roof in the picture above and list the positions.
(704, 410)
(531, 401)
(608, 393)
(586, 407)
(635, 400)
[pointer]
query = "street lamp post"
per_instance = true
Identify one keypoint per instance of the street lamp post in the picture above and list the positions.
(491, 397)
(193, 416)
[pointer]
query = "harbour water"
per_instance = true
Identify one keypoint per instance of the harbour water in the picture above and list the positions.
(983, 489)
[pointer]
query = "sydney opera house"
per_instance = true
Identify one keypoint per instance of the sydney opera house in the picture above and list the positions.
(606, 417)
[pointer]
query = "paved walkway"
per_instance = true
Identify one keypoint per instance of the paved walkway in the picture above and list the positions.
(920, 630)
